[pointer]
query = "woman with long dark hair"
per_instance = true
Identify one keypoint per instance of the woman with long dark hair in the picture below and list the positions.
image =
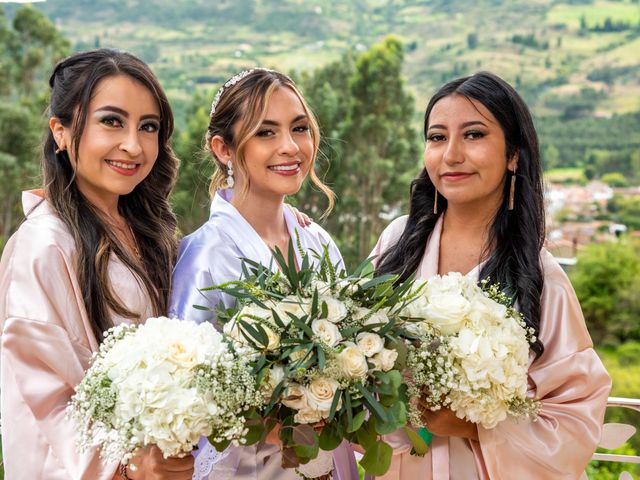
(477, 208)
(96, 249)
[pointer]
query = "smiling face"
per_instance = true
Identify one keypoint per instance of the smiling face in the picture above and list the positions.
(119, 144)
(278, 157)
(466, 153)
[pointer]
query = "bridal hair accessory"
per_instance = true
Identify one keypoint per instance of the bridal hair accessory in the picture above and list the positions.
(231, 82)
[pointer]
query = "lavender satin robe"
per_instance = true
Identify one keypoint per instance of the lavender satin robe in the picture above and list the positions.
(46, 346)
(211, 256)
(568, 378)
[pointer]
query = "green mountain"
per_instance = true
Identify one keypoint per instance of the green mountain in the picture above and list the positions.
(576, 58)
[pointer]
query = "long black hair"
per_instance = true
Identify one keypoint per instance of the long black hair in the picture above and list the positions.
(516, 236)
(146, 209)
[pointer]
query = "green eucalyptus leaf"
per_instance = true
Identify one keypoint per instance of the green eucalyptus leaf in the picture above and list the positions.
(377, 458)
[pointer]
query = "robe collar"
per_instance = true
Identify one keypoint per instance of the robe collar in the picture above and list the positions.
(244, 235)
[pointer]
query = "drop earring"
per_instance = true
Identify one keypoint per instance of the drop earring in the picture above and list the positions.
(230, 180)
(512, 190)
(435, 203)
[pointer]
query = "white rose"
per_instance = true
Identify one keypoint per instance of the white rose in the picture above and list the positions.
(273, 337)
(326, 331)
(298, 354)
(322, 287)
(307, 415)
(369, 343)
(385, 360)
(276, 375)
(293, 305)
(448, 312)
(295, 396)
(353, 362)
(181, 355)
(336, 310)
(320, 393)
(249, 312)
(417, 308)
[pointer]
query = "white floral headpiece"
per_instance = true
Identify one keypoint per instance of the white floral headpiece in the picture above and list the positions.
(231, 82)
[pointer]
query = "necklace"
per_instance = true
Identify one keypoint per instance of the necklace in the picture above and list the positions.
(126, 236)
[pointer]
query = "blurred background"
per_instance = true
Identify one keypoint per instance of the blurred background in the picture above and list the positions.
(368, 68)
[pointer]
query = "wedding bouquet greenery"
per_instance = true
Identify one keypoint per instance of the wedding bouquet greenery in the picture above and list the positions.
(166, 383)
(323, 346)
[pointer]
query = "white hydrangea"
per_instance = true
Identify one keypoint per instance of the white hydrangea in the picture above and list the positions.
(153, 377)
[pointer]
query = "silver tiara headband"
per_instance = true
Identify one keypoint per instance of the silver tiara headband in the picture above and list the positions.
(230, 83)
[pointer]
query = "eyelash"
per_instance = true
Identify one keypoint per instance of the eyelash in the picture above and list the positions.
(473, 134)
(269, 132)
(115, 122)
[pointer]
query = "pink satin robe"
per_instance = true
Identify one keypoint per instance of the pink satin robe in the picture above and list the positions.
(46, 346)
(569, 379)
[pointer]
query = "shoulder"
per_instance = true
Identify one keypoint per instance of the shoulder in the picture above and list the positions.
(560, 316)
(209, 238)
(42, 239)
(316, 231)
(391, 234)
(556, 281)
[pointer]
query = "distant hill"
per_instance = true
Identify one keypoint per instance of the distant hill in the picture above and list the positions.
(569, 58)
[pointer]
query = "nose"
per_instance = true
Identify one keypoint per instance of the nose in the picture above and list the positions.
(131, 143)
(453, 153)
(288, 145)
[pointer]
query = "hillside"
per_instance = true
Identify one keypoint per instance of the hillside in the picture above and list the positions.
(572, 58)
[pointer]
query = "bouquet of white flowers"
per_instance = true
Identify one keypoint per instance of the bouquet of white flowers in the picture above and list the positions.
(166, 383)
(323, 346)
(469, 351)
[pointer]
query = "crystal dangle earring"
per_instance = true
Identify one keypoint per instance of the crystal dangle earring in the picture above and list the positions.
(435, 202)
(512, 190)
(230, 181)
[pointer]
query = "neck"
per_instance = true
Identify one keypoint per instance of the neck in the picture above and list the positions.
(265, 215)
(468, 222)
(108, 206)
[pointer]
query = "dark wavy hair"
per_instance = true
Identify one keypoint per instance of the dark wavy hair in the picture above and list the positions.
(516, 237)
(146, 209)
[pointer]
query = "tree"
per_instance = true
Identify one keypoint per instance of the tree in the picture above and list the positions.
(28, 50)
(190, 198)
(606, 279)
(472, 40)
(365, 111)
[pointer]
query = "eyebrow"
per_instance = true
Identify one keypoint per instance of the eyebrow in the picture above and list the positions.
(124, 113)
(274, 123)
(464, 125)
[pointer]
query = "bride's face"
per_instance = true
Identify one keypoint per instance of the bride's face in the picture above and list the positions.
(278, 157)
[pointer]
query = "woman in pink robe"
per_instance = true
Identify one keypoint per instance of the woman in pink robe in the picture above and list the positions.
(477, 209)
(95, 250)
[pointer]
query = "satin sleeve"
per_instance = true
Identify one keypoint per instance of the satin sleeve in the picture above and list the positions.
(572, 385)
(44, 353)
(205, 259)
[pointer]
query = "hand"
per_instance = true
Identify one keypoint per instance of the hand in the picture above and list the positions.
(303, 219)
(149, 464)
(444, 423)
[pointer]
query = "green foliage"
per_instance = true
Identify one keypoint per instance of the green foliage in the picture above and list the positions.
(607, 279)
(625, 210)
(365, 114)
(28, 49)
(190, 199)
(614, 179)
